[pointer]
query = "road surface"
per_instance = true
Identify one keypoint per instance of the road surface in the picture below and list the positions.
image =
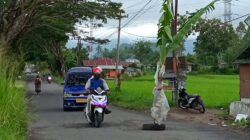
(50, 122)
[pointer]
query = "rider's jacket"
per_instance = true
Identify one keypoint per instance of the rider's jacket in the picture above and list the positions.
(94, 83)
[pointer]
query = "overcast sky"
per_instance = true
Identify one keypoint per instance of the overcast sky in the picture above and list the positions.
(145, 24)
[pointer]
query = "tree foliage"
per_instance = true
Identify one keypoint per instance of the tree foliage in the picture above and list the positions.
(214, 39)
(43, 24)
(167, 41)
(142, 50)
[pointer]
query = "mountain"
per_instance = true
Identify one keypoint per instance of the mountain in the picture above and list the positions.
(189, 46)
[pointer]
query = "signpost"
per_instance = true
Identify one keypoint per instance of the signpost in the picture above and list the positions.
(247, 21)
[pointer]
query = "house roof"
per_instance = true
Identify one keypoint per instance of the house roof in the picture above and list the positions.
(103, 62)
(110, 67)
(244, 56)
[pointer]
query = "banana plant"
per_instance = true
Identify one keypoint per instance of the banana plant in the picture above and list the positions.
(167, 42)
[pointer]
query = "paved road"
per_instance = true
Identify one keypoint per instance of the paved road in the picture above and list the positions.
(51, 123)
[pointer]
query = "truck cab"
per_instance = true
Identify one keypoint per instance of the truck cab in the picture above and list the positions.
(74, 87)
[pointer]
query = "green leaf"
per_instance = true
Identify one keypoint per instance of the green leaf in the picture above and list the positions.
(168, 33)
(178, 38)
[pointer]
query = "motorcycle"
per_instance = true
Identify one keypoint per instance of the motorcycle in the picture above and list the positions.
(38, 88)
(94, 111)
(191, 101)
(49, 79)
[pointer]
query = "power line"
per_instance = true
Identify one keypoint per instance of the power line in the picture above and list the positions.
(146, 10)
(238, 18)
(143, 8)
(134, 5)
(137, 13)
(138, 35)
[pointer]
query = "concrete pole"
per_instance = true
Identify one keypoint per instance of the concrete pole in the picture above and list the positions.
(117, 80)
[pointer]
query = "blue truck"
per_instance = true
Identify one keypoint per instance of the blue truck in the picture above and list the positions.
(74, 87)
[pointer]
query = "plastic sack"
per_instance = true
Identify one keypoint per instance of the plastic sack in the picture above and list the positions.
(160, 107)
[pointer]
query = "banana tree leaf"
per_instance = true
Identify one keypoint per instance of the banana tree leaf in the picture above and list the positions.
(177, 40)
(168, 33)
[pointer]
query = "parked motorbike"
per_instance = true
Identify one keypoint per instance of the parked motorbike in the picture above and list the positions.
(191, 101)
(49, 79)
(94, 111)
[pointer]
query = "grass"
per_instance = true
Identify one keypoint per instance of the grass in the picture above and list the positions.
(13, 106)
(216, 91)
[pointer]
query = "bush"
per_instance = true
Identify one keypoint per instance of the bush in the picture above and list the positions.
(244, 123)
(215, 70)
(13, 106)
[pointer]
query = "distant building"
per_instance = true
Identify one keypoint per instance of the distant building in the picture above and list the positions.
(173, 77)
(107, 64)
(181, 68)
(132, 60)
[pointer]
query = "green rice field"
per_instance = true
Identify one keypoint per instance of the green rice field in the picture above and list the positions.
(216, 91)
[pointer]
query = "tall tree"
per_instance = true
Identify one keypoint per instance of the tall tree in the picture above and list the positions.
(18, 16)
(213, 40)
(48, 21)
(143, 51)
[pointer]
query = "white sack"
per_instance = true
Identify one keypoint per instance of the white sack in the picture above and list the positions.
(160, 107)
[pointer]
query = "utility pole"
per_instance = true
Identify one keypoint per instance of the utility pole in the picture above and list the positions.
(227, 10)
(79, 46)
(174, 7)
(117, 80)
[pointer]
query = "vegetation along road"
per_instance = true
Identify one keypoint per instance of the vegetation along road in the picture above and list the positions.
(50, 122)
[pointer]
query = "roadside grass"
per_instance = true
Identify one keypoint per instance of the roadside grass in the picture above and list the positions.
(217, 91)
(13, 106)
(243, 123)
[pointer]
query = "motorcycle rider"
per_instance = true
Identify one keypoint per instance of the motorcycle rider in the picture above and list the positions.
(49, 77)
(94, 82)
(38, 82)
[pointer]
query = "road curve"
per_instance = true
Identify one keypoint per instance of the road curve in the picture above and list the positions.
(50, 122)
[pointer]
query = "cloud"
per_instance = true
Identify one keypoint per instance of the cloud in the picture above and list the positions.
(146, 29)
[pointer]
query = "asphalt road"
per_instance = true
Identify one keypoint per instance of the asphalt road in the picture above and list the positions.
(50, 122)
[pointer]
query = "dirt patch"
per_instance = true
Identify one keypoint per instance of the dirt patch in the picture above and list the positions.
(211, 116)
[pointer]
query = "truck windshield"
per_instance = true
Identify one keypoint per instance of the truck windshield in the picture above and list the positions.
(77, 79)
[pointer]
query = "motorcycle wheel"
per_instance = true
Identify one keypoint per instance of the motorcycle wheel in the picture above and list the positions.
(37, 92)
(180, 104)
(98, 119)
(201, 107)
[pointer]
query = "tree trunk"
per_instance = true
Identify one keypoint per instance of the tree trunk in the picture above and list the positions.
(56, 49)
(3, 43)
(62, 67)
